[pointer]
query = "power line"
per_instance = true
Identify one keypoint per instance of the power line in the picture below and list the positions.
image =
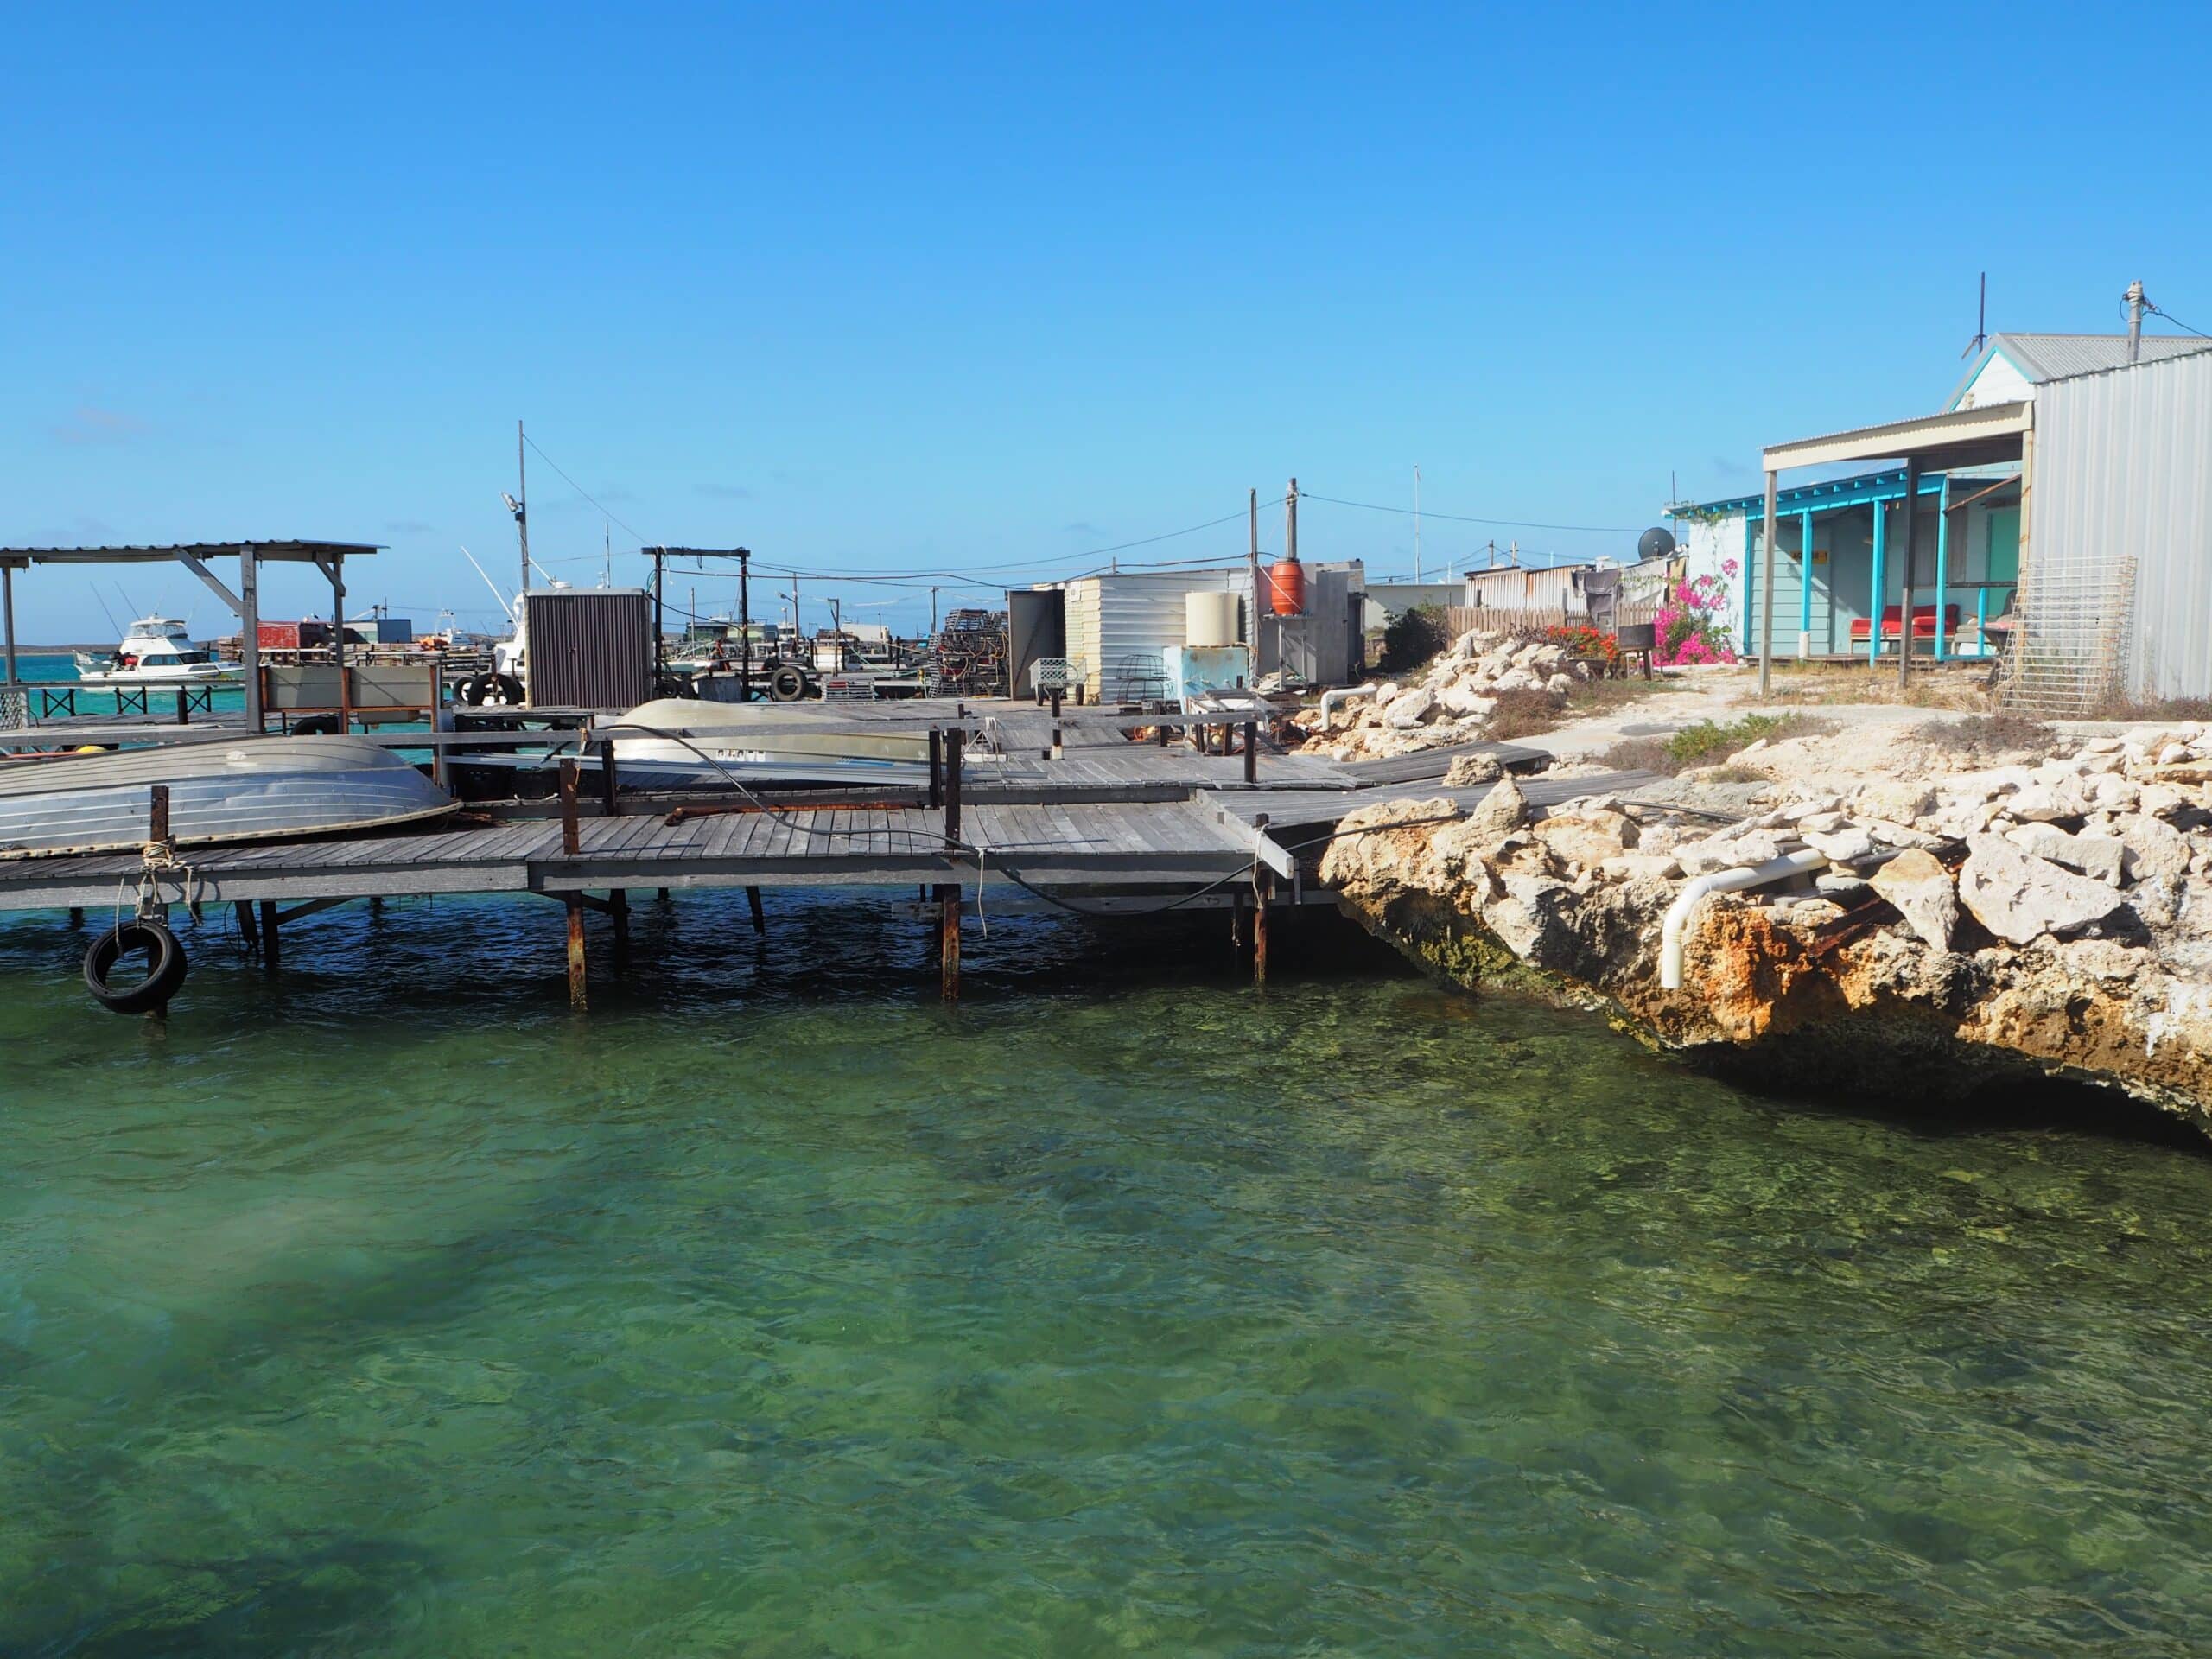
(2157, 311)
(584, 493)
(1462, 519)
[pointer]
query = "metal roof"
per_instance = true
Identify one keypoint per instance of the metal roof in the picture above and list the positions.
(2054, 357)
(280, 551)
(1959, 437)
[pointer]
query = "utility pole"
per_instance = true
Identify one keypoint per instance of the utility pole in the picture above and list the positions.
(744, 624)
(1290, 523)
(521, 506)
(2137, 304)
(1252, 559)
(1416, 526)
(933, 613)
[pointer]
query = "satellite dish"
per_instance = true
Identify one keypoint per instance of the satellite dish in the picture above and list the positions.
(1656, 542)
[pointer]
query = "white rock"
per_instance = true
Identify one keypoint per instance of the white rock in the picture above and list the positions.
(1404, 713)
(1846, 846)
(2096, 856)
(1641, 867)
(2020, 899)
(1560, 684)
(1921, 889)
(2153, 848)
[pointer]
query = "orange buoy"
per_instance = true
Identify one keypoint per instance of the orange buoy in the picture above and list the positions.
(1286, 588)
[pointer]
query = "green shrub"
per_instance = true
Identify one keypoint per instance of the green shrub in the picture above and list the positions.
(1413, 637)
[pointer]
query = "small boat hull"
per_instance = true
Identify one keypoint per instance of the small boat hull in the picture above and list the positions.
(726, 745)
(256, 789)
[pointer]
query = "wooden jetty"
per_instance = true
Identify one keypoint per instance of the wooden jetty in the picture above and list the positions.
(1093, 824)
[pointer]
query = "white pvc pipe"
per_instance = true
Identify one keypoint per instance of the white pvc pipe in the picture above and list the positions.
(1343, 693)
(1686, 901)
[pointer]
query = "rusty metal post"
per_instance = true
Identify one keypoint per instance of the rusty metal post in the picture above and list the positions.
(948, 903)
(577, 976)
(158, 827)
(1251, 751)
(759, 916)
(249, 930)
(1263, 888)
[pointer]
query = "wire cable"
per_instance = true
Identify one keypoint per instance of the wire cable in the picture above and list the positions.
(2157, 311)
(1462, 518)
(610, 513)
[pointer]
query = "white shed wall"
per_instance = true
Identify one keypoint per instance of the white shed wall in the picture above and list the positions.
(2118, 564)
(1111, 619)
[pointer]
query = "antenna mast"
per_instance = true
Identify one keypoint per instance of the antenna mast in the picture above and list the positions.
(522, 505)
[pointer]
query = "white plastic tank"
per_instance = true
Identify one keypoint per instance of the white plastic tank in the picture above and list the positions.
(1210, 618)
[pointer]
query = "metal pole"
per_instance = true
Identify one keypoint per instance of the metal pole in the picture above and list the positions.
(522, 506)
(338, 640)
(1766, 594)
(744, 624)
(953, 739)
(571, 843)
(8, 614)
(2135, 303)
(660, 612)
(249, 633)
(1904, 610)
(1290, 522)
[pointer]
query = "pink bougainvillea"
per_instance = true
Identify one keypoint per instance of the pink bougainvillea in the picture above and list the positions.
(1689, 630)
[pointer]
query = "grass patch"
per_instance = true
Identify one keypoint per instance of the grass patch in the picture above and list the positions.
(1707, 743)
(2175, 710)
(1523, 714)
(1986, 737)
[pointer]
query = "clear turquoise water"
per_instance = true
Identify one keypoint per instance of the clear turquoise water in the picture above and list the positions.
(386, 1308)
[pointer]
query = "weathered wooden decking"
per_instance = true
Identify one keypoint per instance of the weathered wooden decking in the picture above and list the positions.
(1106, 816)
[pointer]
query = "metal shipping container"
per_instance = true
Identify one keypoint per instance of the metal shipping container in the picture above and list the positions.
(588, 647)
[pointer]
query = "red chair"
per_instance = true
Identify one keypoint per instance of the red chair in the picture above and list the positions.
(1924, 623)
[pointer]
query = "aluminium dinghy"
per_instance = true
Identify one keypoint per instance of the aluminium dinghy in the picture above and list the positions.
(688, 743)
(250, 789)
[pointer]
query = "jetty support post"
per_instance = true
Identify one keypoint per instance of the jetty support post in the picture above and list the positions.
(759, 916)
(1262, 889)
(1056, 751)
(948, 908)
(249, 930)
(571, 843)
(1251, 750)
(607, 779)
(937, 767)
(272, 952)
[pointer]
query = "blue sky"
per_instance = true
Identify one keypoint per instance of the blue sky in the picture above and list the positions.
(909, 287)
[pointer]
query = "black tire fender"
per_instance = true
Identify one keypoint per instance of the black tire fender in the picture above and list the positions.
(787, 683)
(164, 972)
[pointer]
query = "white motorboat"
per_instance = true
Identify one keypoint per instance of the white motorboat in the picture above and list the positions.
(157, 651)
(253, 789)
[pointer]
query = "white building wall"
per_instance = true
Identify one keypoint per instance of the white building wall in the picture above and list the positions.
(1998, 382)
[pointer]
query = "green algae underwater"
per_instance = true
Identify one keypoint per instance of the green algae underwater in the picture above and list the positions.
(386, 1308)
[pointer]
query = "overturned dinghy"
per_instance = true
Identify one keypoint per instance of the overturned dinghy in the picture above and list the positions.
(254, 789)
(686, 743)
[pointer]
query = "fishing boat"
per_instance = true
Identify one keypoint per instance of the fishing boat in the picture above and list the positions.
(157, 651)
(253, 789)
(686, 743)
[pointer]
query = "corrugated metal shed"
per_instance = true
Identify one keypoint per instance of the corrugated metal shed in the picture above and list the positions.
(1117, 619)
(1556, 587)
(589, 647)
(2118, 564)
